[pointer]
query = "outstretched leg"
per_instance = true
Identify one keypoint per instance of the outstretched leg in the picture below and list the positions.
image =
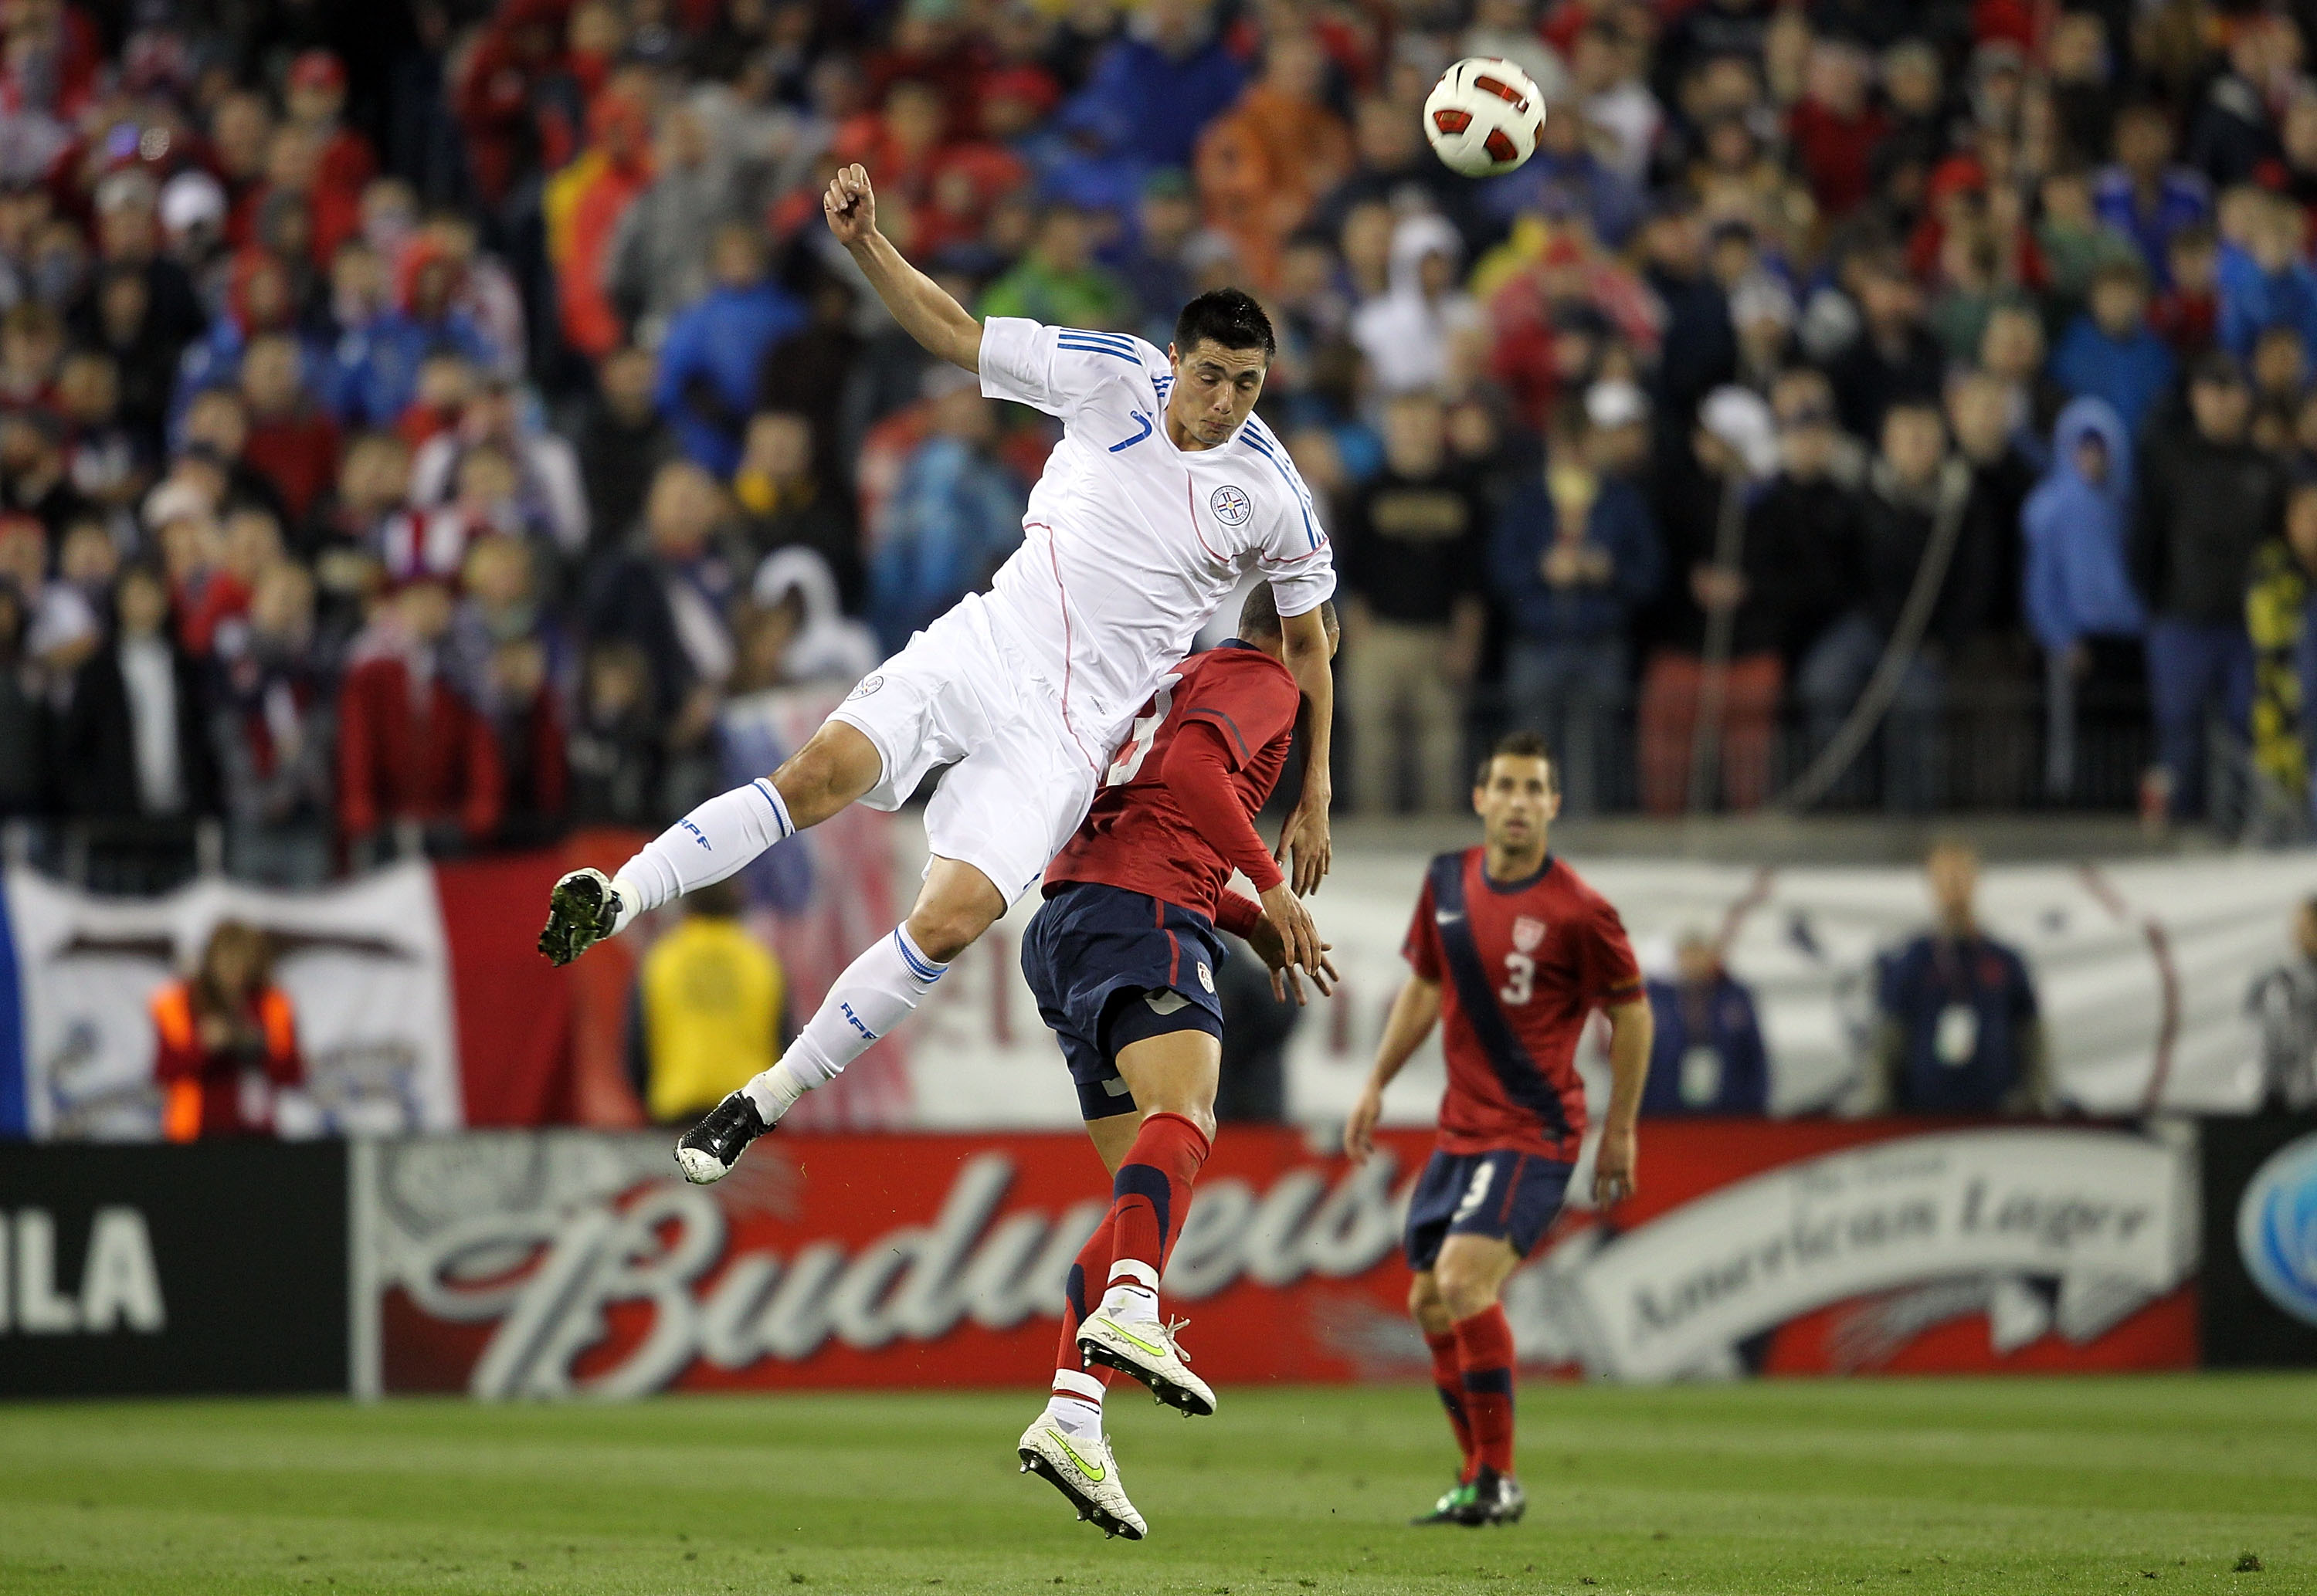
(720, 838)
(877, 992)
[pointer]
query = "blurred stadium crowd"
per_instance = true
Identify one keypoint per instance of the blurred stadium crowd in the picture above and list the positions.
(417, 421)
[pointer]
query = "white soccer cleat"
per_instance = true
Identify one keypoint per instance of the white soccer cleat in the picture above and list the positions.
(1082, 1468)
(1147, 1350)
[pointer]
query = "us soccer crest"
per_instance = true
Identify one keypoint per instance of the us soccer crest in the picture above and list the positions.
(1528, 933)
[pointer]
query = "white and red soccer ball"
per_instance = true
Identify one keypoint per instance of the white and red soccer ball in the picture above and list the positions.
(1484, 116)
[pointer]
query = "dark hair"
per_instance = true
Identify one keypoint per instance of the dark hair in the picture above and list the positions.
(1519, 746)
(1227, 317)
(1258, 617)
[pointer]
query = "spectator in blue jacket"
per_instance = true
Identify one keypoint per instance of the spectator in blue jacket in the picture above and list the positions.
(1575, 554)
(2110, 352)
(2266, 281)
(715, 348)
(378, 367)
(2078, 595)
(1707, 1055)
(1153, 91)
(954, 516)
(1959, 1030)
(2144, 196)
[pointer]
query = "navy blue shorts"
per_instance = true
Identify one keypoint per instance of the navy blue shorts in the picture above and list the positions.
(1110, 967)
(1507, 1194)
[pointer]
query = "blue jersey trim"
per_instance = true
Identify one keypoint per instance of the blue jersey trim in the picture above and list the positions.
(1294, 484)
(1093, 344)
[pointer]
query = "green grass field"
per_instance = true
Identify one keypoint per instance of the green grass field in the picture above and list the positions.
(2013, 1486)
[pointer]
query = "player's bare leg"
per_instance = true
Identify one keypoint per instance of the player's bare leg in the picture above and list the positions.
(877, 992)
(1455, 1303)
(1172, 1077)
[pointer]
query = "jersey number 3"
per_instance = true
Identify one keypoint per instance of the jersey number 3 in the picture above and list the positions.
(1520, 979)
(1127, 763)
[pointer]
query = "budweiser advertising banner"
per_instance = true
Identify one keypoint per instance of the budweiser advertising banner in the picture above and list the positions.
(574, 1264)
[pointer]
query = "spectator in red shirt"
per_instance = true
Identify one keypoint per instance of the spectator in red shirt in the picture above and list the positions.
(414, 755)
(1835, 128)
(291, 441)
(241, 127)
(314, 95)
(226, 1041)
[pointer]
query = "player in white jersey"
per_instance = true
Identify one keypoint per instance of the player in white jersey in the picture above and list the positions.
(1163, 494)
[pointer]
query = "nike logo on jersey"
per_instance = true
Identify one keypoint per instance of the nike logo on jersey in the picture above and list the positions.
(1094, 1471)
(1447, 916)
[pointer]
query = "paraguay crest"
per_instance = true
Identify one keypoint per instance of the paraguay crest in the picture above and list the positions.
(1231, 506)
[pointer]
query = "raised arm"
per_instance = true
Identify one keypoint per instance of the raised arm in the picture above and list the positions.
(1305, 835)
(943, 325)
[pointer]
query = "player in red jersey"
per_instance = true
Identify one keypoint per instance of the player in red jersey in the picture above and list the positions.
(1510, 953)
(1121, 958)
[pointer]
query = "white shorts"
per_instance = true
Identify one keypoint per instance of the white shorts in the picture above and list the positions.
(1018, 784)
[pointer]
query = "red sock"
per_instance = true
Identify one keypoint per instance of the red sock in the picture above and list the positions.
(1150, 1197)
(1448, 1378)
(1484, 1348)
(1093, 1265)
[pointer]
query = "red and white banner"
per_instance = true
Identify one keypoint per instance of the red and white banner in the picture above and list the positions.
(570, 1263)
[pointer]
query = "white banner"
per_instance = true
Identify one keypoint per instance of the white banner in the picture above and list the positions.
(2042, 1229)
(2141, 969)
(365, 967)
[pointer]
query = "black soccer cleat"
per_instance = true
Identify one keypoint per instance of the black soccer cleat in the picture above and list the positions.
(1450, 1509)
(710, 1148)
(581, 912)
(1495, 1499)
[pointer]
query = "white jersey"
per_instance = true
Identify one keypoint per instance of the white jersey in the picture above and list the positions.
(1130, 544)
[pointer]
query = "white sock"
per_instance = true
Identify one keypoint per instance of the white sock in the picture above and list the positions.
(1076, 1403)
(877, 992)
(718, 839)
(1133, 1291)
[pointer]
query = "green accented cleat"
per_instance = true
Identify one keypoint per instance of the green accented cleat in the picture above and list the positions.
(1495, 1499)
(1454, 1503)
(581, 912)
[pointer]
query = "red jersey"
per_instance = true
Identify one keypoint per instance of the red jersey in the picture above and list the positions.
(1521, 966)
(1140, 834)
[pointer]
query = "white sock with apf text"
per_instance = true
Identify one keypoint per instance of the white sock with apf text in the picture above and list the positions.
(877, 992)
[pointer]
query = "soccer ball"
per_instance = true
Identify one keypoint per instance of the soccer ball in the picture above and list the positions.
(1484, 116)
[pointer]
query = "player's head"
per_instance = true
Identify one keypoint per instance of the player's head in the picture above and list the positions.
(1223, 348)
(1516, 793)
(1951, 871)
(1258, 622)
